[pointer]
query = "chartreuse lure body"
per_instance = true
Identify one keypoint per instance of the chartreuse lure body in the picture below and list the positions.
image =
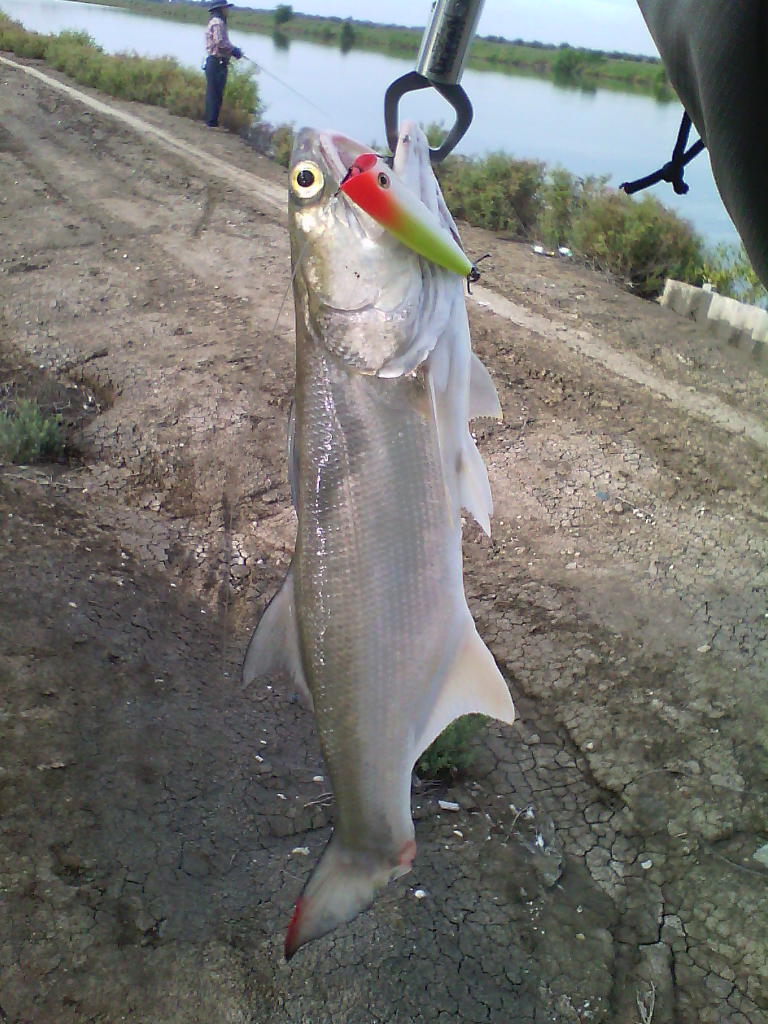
(372, 186)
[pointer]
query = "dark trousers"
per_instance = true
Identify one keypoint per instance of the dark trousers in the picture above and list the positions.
(215, 80)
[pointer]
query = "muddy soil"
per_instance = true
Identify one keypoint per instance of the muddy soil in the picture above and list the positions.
(609, 858)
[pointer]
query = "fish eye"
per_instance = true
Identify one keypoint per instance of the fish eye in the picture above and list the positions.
(383, 180)
(307, 179)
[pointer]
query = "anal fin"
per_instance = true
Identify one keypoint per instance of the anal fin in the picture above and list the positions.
(473, 684)
(274, 646)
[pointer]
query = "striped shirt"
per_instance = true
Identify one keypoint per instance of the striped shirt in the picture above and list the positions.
(217, 42)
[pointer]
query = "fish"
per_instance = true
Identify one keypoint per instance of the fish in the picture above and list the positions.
(371, 622)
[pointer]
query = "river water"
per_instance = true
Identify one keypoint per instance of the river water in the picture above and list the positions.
(624, 135)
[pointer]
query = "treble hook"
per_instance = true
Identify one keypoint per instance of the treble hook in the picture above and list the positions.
(440, 64)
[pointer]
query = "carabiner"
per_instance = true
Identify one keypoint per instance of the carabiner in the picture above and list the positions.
(440, 64)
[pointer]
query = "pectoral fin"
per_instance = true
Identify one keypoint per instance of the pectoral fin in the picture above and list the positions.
(274, 647)
(473, 684)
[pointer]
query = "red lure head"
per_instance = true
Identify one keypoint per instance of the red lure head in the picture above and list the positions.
(362, 164)
(369, 189)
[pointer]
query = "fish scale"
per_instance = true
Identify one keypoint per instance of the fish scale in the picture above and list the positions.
(369, 563)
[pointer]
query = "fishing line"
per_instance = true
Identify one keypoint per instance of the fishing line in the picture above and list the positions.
(261, 68)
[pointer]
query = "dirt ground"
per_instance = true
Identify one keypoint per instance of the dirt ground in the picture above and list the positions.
(155, 817)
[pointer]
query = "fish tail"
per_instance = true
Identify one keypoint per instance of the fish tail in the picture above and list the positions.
(344, 884)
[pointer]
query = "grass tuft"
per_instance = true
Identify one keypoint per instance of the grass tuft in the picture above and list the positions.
(28, 435)
(451, 755)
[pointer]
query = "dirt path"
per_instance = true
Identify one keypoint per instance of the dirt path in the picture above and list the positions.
(155, 818)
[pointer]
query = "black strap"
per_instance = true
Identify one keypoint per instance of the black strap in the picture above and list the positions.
(672, 171)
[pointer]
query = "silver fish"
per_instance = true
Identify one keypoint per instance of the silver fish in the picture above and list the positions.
(371, 621)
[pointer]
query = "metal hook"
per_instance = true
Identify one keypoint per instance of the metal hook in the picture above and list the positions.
(440, 64)
(455, 95)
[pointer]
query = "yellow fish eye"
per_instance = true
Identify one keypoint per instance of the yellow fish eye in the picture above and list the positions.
(306, 179)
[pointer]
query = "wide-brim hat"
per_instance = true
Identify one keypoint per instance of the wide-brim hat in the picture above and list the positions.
(218, 4)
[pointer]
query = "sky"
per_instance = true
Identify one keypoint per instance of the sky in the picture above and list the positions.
(598, 24)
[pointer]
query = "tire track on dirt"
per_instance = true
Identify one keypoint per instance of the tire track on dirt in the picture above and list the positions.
(272, 196)
(629, 367)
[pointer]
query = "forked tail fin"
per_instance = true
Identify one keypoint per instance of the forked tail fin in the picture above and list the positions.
(343, 885)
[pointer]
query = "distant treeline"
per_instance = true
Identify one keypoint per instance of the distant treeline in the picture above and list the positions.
(565, 64)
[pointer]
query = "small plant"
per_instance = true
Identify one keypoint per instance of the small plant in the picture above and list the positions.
(450, 754)
(27, 435)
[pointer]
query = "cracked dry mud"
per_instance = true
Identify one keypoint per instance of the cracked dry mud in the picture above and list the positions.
(154, 815)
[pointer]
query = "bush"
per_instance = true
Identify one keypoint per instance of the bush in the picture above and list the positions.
(347, 36)
(495, 192)
(281, 144)
(641, 242)
(728, 270)
(27, 435)
(283, 13)
(450, 754)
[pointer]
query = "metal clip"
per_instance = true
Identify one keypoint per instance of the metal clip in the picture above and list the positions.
(440, 64)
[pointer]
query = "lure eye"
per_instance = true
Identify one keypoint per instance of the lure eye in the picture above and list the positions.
(383, 180)
(307, 180)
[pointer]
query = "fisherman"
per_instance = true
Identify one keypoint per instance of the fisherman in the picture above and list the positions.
(220, 50)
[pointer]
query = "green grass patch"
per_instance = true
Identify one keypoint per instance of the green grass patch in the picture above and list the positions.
(451, 754)
(161, 82)
(29, 435)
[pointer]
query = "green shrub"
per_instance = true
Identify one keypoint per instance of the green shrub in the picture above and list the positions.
(728, 269)
(451, 753)
(641, 242)
(281, 144)
(15, 39)
(27, 435)
(346, 36)
(495, 192)
(283, 13)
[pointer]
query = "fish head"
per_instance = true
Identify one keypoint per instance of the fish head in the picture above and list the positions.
(358, 291)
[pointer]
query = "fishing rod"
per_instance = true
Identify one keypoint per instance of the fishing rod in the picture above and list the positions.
(260, 68)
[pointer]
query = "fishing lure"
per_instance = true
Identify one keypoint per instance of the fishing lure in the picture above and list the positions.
(372, 186)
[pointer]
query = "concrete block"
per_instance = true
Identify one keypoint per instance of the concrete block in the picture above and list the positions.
(678, 296)
(685, 299)
(760, 327)
(731, 321)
